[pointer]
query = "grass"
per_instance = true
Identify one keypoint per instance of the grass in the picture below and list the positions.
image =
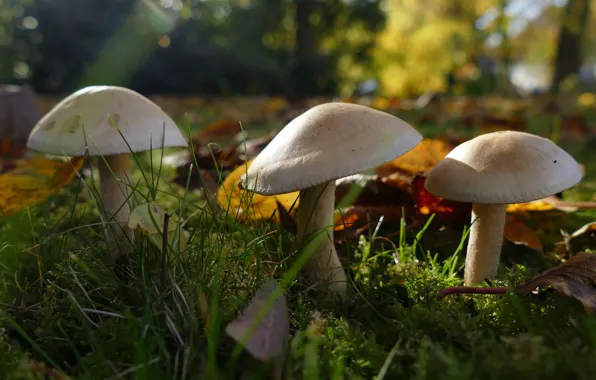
(66, 305)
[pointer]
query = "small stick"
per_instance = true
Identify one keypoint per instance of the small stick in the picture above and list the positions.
(471, 290)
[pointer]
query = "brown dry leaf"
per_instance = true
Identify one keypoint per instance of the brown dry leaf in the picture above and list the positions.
(33, 180)
(418, 160)
(260, 207)
(575, 278)
(517, 232)
(220, 129)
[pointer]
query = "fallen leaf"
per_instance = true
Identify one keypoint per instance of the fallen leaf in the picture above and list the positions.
(270, 338)
(429, 204)
(549, 204)
(374, 190)
(31, 181)
(537, 205)
(148, 218)
(418, 160)
(517, 232)
(244, 205)
(575, 278)
(220, 129)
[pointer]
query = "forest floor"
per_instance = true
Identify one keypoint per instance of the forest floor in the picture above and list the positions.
(67, 310)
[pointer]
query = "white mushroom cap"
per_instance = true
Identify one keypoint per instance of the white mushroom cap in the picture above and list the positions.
(140, 121)
(503, 167)
(327, 142)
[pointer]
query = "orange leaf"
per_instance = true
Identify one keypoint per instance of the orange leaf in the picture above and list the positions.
(418, 160)
(517, 232)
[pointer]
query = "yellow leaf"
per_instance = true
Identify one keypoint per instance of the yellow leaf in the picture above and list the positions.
(537, 205)
(586, 99)
(32, 180)
(148, 219)
(245, 205)
(420, 159)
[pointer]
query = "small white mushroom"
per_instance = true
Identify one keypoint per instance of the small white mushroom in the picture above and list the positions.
(327, 142)
(491, 171)
(86, 121)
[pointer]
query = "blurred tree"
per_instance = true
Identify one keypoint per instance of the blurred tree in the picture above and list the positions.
(300, 47)
(568, 58)
(61, 38)
(424, 42)
(332, 44)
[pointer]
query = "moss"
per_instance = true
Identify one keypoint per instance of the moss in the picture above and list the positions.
(95, 319)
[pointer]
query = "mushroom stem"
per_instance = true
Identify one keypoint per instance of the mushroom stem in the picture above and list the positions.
(114, 174)
(484, 246)
(315, 212)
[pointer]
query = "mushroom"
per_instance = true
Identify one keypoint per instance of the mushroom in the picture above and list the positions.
(327, 142)
(491, 171)
(86, 121)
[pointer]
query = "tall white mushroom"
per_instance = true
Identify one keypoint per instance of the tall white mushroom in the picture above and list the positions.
(85, 121)
(491, 171)
(327, 142)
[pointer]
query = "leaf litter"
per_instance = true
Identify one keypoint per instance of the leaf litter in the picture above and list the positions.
(396, 189)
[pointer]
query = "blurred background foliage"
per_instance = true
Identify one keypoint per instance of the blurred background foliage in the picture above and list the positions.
(298, 47)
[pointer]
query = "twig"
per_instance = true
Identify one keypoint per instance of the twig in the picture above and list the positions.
(471, 290)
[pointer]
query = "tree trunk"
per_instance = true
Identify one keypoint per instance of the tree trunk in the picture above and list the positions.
(19, 113)
(569, 49)
(305, 50)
